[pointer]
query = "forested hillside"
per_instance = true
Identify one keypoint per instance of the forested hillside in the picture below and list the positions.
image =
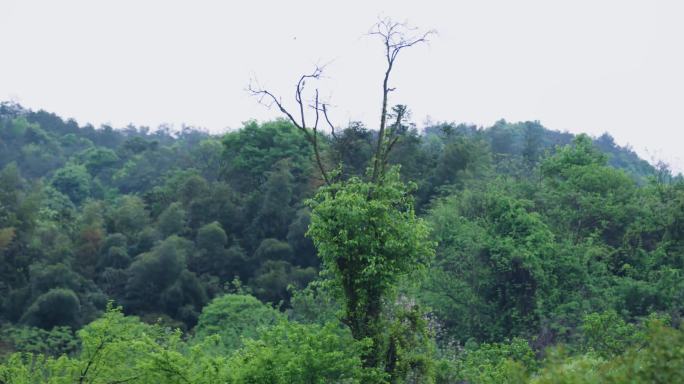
(143, 255)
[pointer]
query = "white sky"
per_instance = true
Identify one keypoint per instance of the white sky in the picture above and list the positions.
(583, 65)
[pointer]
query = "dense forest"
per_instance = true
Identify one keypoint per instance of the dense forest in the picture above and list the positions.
(512, 253)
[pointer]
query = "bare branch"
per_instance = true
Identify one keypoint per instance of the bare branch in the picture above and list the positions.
(268, 99)
(262, 94)
(315, 144)
(298, 98)
(316, 74)
(393, 134)
(395, 36)
(332, 127)
(393, 141)
(315, 107)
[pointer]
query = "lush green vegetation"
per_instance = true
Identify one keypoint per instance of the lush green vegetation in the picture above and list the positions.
(487, 255)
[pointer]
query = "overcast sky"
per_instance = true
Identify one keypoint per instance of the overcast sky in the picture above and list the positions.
(582, 66)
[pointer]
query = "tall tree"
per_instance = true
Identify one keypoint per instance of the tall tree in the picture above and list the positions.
(366, 232)
(395, 36)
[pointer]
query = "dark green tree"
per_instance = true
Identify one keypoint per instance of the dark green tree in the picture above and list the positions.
(73, 181)
(152, 273)
(172, 221)
(58, 306)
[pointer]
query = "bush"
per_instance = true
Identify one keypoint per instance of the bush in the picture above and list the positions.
(303, 353)
(234, 317)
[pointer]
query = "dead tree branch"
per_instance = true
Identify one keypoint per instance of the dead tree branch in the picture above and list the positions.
(395, 36)
(325, 114)
(393, 133)
(265, 97)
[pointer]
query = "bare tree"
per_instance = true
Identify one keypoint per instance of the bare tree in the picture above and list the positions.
(395, 36)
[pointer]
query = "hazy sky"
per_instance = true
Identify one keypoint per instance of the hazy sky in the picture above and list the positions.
(582, 66)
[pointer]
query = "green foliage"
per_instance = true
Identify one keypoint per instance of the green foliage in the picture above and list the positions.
(46, 277)
(114, 253)
(159, 279)
(209, 154)
(561, 369)
(367, 236)
(557, 239)
(585, 196)
(274, 280)
(211, 238)
(234, 317)
(299, 353)
(129, 217)
(317, 303)
(661, 360)
(117, 348)
(461, 159)
(658, 358)
(274, 212)
(252, 151)
(172, 221)
(302, 246)
(73, 181)
(607, 334)
(410, 346)
(273, 249)
(6, 237)
(55, 342)
(353, 148)
(496, 363)
(97, 159)
(56, 307)
(492, 270)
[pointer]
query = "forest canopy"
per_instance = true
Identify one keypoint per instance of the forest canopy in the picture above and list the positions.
(150, 256)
